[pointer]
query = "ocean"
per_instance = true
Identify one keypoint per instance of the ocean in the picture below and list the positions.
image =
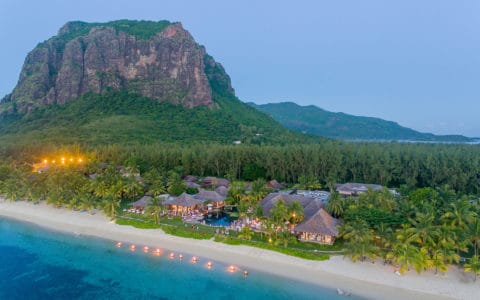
(36, 263)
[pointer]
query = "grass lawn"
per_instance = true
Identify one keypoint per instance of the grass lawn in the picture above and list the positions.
(175, 226)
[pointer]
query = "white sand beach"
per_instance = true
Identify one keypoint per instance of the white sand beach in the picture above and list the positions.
(373, 281)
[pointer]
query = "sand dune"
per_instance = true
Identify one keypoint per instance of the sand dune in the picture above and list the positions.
(373, 281)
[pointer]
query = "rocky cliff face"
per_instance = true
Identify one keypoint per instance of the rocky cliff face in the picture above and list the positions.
(167, 65)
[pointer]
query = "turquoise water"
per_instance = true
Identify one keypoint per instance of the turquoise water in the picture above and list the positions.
(222, 219)
(40, 264)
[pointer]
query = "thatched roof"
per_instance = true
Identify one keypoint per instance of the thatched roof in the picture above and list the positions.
(274, 184)
(222, 190)
(142, 202)
(357, 188)
(190, 178)
(184, 200)
(310, 205)
(204, 195)
(214, 181)
(320, 223)
(192, 185)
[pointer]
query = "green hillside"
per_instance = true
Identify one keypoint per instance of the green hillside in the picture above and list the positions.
(125, 118)
(316, 121)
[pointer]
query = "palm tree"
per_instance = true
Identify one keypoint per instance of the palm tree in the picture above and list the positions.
(133, 187)
(385, 200)
(446, 242)
(474, 233)
(383, 238)
(88, 202)
(283, 238)
(439, 261)
(11, 190)
(235, 192)
(246, 233)
(473, 266)
(336, 204)
(422, 260)
(295, 210)
(156, 182)
(279, 212)
(423, 231)
(155, 207)
(404, 254)
(259, 189)
(358, 239)
(175, 184)
(460, 214)
(111, 203)
(100, 188)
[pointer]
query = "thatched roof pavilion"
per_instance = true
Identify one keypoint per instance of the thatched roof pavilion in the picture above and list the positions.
(184, 200)
(321, 228)
(142, 202)
(213, 196)
(310, 205)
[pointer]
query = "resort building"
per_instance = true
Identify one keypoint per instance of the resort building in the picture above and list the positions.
(142, 203)
(320, 228)
(321, 196)
(215, 201)
(310, 205)
(317, 226)
(184, 204)
(214, 182)
(355, 189)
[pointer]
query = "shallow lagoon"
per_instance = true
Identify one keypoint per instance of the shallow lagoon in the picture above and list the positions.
(40, 264)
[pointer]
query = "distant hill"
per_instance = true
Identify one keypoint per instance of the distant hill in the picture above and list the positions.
(314, 120)
(129, 82)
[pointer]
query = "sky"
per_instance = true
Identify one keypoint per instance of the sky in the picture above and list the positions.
(413, 62)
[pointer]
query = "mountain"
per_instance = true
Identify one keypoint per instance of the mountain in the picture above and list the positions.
(129, 82)
(316, 121)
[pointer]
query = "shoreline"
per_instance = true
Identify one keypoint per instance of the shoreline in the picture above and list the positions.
(371, 281)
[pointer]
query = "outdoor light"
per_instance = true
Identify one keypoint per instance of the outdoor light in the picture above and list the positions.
(119, 244)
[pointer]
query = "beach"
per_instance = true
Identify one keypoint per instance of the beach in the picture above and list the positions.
(372, 281)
